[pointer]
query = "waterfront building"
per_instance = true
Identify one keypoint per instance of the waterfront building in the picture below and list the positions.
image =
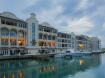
(13, 34)
(95, 44)
(89, 44)
(30, 37)
(40, 36)
(82, 43)
(32, 34)
(47, 36)
(65, 41)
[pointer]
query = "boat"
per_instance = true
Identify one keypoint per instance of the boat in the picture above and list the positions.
(72, 52)
(61, 55)
(97, 52)
(66, 53)
(79, 54)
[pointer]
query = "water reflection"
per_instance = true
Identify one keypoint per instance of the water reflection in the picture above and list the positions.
(55, 68)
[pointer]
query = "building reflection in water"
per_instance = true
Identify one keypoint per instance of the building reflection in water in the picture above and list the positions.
(57, 68)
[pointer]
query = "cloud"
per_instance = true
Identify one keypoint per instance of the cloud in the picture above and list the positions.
(79, 16)
(50, 15)
(78, 26)
(16, 6)
(83, 4)
(103, 26)
(81, 25)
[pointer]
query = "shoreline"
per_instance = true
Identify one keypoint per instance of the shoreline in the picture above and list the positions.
(42, 57)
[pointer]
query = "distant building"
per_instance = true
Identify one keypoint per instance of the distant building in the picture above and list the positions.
(95, 44)
(13, 34)
(82, 43)
(85, 43)
(65, 41)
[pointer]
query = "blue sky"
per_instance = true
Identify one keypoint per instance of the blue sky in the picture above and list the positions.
(79, 16)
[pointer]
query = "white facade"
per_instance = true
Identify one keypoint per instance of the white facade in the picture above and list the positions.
(66, 41)
(13, 34)
(87, 44)
(82, 43)
(95, 44)
(32, 29)
(19, 37)
(32, 33)
(40, 36)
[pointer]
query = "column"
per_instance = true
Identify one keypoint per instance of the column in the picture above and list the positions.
(9, 39)
(0, 36)
(0, 20)
(0, 31)
(17, 39)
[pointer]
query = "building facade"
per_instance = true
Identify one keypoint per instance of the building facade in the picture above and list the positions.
(89, 44)
(65, 41)
(82, 43)
(13, 34)
(19, 37)
(95, 44)
(47, 36)
(41, 37)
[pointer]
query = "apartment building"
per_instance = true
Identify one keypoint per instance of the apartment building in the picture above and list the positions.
(40, 36)
(13, 34)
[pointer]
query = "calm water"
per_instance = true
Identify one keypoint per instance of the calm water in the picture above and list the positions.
(77, 67)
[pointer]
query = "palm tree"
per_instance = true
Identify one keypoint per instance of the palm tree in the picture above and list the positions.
(33, 42)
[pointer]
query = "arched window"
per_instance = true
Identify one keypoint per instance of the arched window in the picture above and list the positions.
(4, 32)
(13, 33)
(21, 33)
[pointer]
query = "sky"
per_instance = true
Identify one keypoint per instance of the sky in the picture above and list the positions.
(85, 17)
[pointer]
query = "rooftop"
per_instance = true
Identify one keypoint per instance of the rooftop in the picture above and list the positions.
(10, 15)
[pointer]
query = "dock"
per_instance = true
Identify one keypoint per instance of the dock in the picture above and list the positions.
(81, 54)
(26, 57)
(46, 56)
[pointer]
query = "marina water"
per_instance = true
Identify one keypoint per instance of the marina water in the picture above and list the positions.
(77, 67)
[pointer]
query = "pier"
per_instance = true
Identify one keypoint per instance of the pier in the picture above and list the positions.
(47, 56)
(29, 57)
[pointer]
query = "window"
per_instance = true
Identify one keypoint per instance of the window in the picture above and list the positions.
(62, 40)
(20, 34)
(54, 31)
(13, 33)
(11, 23)
(40, 36)
(33, 30)
(45, 36)
(40, 28)
(4, 32)
(2, 21)
(49, 37)
(4, 41)
(62, 45)
(13, 42)
(53, 37)
(8, 22)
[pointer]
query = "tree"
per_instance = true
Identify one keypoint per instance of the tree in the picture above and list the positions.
(41, 43)
(33, 42)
